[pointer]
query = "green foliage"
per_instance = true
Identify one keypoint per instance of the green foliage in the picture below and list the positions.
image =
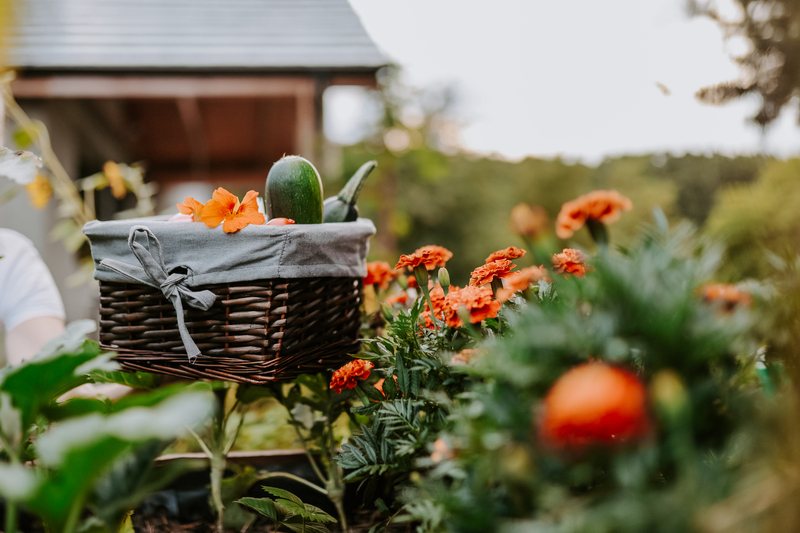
(639, 309)
(99, 454)
(289, 511)
(757, 219)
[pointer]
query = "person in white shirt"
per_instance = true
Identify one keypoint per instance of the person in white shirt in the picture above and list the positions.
(30, 306)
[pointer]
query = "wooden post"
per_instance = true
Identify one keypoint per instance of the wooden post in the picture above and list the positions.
(305, 122)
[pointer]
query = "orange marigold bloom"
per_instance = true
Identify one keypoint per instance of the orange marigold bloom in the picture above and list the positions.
(728, 294)
(430, 256)
(521, 280)
(379, 273)
(412, 282)
(528, 221)
(477, 300)
(594, 404)
(401, 298)
(486, 273)
(571, 261)
(466, 356)
(40, 191)
(604, 206)
(225, 208)
(192, 207)
(508, 253)
(348, 376)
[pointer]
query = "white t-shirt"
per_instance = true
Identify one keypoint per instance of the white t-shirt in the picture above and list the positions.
(27, 289)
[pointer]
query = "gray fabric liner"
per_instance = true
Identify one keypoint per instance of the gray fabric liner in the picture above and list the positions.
(256, 252)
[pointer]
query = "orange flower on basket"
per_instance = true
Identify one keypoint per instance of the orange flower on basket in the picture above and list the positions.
(726, 294)
(190, 206)
(486, 273)
(508, 253)
(225, 208)
(594, 404)
(571, 261)
(521, 280)
(430, 256)
(400, 298)
(350, 374)
(477, 301)
(603, 206)
(379, 273)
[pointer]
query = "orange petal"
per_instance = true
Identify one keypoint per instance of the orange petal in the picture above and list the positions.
(190, 206)
(214, 213)
(226, 199)
(249, 202)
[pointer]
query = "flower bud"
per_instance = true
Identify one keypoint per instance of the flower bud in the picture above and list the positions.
(444, 279)
(669, 395)
(403, 282)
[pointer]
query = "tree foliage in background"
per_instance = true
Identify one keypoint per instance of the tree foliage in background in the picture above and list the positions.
(770, 66)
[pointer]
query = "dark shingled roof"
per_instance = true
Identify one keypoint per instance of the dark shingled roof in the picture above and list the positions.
(190, 35)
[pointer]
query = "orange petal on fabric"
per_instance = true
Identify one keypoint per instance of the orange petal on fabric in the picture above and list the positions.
(190, 206)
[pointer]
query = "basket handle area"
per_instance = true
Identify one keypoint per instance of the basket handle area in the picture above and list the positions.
(153, 272)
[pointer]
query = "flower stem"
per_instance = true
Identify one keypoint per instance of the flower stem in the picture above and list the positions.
(421, 275)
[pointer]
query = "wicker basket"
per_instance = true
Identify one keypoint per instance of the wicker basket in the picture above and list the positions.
(254, 332)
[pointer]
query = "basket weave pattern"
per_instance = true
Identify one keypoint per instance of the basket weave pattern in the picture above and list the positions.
(255, 332)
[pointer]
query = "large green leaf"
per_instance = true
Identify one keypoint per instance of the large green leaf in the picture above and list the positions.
(264, 506)
(36, 383)
(78, 452)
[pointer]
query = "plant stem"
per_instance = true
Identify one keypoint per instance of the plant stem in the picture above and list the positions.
(218, 457)
(11, 517)
(311, 460)
(296, 478)
(421, 275)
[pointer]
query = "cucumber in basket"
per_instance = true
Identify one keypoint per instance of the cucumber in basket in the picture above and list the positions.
(294, 191)
(342, 207)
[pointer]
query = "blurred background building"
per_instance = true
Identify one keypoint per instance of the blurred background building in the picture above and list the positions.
(206, 93)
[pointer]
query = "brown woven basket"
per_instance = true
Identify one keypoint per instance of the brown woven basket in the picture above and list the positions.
(255, 332)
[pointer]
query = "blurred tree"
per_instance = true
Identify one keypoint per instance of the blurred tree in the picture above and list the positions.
(770, 66)
(758, 219)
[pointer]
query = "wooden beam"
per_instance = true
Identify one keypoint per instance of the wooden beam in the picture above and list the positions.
(98, 86)
(306, 125)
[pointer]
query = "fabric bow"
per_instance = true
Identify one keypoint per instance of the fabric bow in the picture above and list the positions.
(153, 272)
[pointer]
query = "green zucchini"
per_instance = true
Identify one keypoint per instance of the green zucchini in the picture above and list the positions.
(294, 190)
(342, 207)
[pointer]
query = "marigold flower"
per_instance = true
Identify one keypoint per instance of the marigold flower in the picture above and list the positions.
(40, 191)
(438, 299)
(379, 273)
(508, 253)
(430, 256)
(441, 451)
(350, 374)
(728, 294)
(571, 261)
(400, 298)
(521, 280)
(192, 207)
(225, 208)
(478, 302)
(466, 356)
(486, 273)
(594, 404)
(114, 176)
(603, 206)
(528, 221)
(412, 282)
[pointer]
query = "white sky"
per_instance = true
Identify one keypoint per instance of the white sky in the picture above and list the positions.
(570, 77)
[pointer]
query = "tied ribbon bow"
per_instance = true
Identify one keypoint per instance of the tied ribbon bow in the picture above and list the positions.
(153, 272)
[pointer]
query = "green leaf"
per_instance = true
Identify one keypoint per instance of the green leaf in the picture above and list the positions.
(298, 525)
(136, 380)
(371, 392)
(264, 506)
(17, 482)
(403, 379)
(281, 493)
(390, 387)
